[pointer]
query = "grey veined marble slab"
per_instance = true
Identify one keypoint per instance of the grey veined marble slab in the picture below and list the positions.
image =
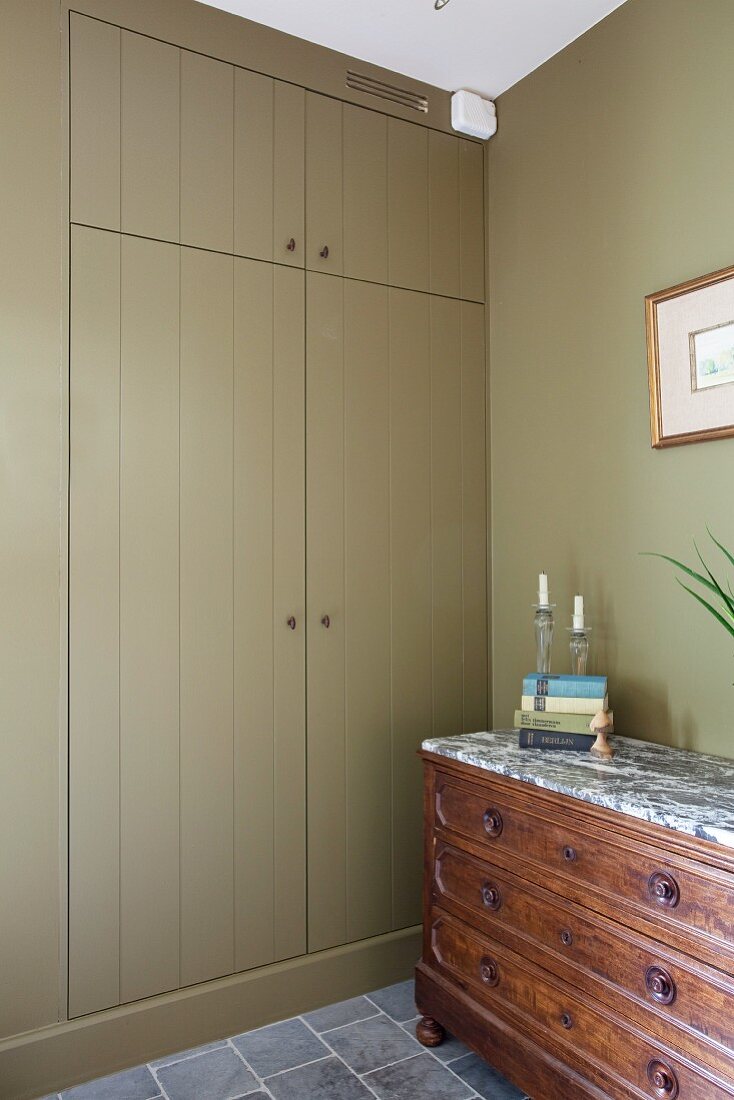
(687, 791)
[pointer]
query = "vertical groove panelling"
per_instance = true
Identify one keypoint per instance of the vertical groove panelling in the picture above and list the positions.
(288, 162)
(407, 205)
(95, 122)
(207, 152)
(206, 669)
(324, 190)
(289, 539)
(474, 509)
(367, 608)
(327, 855)
(443, 175)
(94, 654)
(149, 137)
(446, 521)
(471, 194)
(253, 614)
(365, 194)
(149, 541)
(410, 585)
(253, 164)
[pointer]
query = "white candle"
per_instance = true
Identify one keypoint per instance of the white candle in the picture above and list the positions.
(543, 589)
(578, 612)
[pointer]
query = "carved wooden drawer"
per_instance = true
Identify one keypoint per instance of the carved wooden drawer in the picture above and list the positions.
(660, 987)
(566, 1020)
(584, 862)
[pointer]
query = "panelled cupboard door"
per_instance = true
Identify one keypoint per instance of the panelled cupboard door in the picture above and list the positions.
(289, 137)
(365, 194)
(269, 758)
(396, 581)
(324, 190)
(253, 164)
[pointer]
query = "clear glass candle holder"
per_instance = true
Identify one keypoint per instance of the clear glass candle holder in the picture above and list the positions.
(543, 624)
(579, 649)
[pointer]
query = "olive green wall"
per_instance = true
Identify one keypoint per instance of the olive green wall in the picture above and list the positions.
(610, 178)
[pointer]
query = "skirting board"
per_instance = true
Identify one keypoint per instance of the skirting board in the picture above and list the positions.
(65, 1054)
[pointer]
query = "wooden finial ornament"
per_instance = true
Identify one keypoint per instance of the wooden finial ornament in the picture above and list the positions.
(602, 726)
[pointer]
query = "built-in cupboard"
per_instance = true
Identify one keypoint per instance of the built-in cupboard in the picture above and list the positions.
(277, 511)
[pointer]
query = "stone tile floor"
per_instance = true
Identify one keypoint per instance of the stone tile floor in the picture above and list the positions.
(356, 1050)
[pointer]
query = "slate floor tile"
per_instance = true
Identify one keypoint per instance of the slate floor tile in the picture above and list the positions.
(398, 1001)
(132, 1084)
(422, 1076)
(219, 1075)
(372, 1043)
(487, 1081)
(279, 1047)
(327, 1080)
(345, 1012)
(178, 1055)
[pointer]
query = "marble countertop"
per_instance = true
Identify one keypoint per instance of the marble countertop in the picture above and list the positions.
(687, 791)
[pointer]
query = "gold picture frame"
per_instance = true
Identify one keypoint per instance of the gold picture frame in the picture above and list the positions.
(662, 374)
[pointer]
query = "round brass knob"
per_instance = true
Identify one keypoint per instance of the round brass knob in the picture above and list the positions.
(663, 1080)
(569, 854)
(491, 896)
(566, 937)
(663, 889)
(325, 621)
(291, 246)
(660, 985)
(567, 1020)
(324, 253)
(489, 971)
(492, 822)
(291, 622)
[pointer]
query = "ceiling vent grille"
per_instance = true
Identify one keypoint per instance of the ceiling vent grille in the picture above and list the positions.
(359, 83)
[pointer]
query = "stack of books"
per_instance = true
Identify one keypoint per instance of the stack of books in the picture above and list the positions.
(556, 711)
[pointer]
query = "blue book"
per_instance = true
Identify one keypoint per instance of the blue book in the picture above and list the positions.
(565, 687)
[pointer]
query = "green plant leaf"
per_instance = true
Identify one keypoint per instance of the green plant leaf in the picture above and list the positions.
(728, 602)
(724, 551)
(679, 565)
(708, 606)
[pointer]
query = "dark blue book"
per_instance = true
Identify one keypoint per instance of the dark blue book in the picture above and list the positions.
(543, 739)
(565, 687)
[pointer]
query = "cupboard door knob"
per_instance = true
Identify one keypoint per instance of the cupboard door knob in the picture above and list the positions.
(663, 889)
(492, 822)
(324, 253)
(663, 1080)
(326, 621)
(569, 854)
(491, 896)
(291, 622)
(660, 985)
(291, 246)
(489, 971)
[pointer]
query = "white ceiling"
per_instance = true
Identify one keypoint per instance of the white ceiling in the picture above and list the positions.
(483, 45)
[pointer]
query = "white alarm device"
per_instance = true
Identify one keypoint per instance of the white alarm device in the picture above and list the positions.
(470, 114)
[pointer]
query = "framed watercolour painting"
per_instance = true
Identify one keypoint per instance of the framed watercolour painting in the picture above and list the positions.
(690, 358)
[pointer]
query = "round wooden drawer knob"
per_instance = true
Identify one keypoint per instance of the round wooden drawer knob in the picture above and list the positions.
(491, 896)
(663, 1080)
(660, 985)
(489, 971)
(663, 889)
(492, 822)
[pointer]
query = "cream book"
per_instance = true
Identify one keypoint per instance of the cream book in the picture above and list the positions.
(557, 704)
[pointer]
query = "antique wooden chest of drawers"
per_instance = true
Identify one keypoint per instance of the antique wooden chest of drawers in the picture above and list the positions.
(579, 917)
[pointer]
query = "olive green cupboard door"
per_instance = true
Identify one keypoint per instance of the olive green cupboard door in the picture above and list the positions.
(187, 744)
(396, 581)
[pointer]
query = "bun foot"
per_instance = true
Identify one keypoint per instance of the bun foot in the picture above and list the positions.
(429, 1032)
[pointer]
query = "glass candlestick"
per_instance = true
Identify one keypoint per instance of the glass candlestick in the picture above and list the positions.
(543, 623)
(579, 646)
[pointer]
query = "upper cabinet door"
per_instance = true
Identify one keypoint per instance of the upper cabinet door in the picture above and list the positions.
(365, 194)
(471, 198)
(288, 160)
(95, 123)
(407, 199)
(150, 137)
(253, 164)
(207, 153)
(443, 209)
(324, 245)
